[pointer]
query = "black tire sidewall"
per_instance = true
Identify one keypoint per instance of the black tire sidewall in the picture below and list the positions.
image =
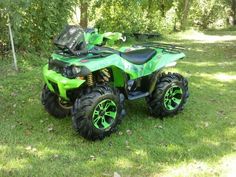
(51, 104)
(82, 112)
(156, 100)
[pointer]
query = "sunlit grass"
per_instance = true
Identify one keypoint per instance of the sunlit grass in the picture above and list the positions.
(223, 167)
(201, 37)
(198, 142)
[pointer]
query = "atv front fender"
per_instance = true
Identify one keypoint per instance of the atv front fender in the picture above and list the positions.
(59, 84)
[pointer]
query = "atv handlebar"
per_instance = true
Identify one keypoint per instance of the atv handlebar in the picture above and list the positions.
(81, 52)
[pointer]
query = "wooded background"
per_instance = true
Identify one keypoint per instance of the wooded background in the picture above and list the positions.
(36, 22)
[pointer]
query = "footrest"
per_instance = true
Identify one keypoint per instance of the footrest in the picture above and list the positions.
(137, 95)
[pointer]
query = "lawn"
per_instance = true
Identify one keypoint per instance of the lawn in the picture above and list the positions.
(200, 141)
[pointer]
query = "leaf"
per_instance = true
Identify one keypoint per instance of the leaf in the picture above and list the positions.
(116, 174)
(129, 132)
(120, 133)
(92, 157)
(50, 128)
(55, 156)
(28, 148)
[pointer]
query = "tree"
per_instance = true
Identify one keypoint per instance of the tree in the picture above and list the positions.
(36, 22)
(184, 18)
(84, 14)
(232, 17)
(183, 11)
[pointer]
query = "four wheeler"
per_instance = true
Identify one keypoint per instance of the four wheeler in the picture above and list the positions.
(90, 82)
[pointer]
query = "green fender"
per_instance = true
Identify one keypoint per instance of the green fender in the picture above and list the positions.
(120, 66)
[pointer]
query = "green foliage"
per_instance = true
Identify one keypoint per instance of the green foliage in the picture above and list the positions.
(133, 16)
(35, 22)
(208, 12)
(157, 16)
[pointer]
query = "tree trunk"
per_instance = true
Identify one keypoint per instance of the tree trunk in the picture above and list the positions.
(149, 15)
(233, 8)
(84, 14)
(185, 14)
(162, 9)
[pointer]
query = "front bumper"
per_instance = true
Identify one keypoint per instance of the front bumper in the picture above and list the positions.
(60, 84)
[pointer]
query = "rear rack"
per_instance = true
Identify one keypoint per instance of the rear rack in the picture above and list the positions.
(166, 48)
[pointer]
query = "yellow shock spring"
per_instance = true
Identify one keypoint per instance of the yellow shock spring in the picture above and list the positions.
(90, 80)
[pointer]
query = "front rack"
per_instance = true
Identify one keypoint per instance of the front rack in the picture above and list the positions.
(166, 48)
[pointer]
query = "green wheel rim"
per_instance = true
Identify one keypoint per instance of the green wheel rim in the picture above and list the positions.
(173, 97)
(104, 114)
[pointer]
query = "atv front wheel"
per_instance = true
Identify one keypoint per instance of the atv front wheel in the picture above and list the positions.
(96, 114)
(54, 105)
(170, 95)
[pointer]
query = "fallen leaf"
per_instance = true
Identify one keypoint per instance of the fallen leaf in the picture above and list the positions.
(13, 94)
(116, 174)
(110, 143)
(19, 122)
(158, 126)
(129, 132)
(120, 133)
(34, 149)
(206, 124)
(28, 148)
(92, 157)
(126, 143)
(13, 126)
(50, 128)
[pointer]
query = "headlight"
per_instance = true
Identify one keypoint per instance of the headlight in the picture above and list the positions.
(71, 71)
(75, 71)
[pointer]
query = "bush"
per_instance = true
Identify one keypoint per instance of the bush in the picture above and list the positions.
(34, 22)
(132, 16)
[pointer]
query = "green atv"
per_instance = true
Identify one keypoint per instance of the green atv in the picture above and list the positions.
(90, 82)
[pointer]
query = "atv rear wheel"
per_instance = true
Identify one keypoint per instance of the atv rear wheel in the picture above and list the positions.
(54, 105)
(96, 114)
(170, 95)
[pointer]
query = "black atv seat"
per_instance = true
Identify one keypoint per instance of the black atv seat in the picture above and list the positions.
(138, 57)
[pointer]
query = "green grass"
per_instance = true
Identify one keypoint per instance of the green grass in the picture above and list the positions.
(201, 141)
